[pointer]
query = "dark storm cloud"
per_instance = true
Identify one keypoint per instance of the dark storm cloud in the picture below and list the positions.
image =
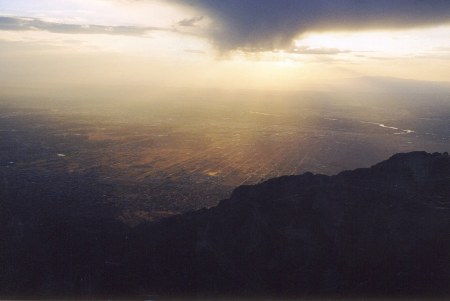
(21, 24)
(269, 24)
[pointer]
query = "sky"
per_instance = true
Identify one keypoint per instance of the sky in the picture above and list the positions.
(232, 44)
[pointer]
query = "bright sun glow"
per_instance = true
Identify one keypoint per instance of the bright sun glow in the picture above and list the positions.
(176, 49)
(407, 42)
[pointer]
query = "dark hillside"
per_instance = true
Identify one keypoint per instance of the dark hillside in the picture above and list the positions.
(381, 231)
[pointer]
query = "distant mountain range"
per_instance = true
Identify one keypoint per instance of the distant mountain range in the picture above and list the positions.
(382, 231)
(385, 85)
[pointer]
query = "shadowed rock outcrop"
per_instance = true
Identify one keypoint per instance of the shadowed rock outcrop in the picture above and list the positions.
(379, 231)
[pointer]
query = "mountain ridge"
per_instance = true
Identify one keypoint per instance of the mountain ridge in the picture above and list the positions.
(312, 235)
(382, 231)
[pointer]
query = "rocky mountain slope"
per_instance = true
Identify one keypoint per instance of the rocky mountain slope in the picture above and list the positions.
(380, 231)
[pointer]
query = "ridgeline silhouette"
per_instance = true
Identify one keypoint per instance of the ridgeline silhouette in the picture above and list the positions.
(380, 231)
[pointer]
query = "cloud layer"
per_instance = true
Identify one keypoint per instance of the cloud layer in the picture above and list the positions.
(23, 24)
(257, 25)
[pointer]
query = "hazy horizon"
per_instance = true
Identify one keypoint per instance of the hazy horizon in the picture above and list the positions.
(260, 88)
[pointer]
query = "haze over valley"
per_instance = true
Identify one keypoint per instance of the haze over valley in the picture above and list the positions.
(188, 149)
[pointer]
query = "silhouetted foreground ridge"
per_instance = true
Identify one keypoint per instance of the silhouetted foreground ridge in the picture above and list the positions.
(380, 231)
